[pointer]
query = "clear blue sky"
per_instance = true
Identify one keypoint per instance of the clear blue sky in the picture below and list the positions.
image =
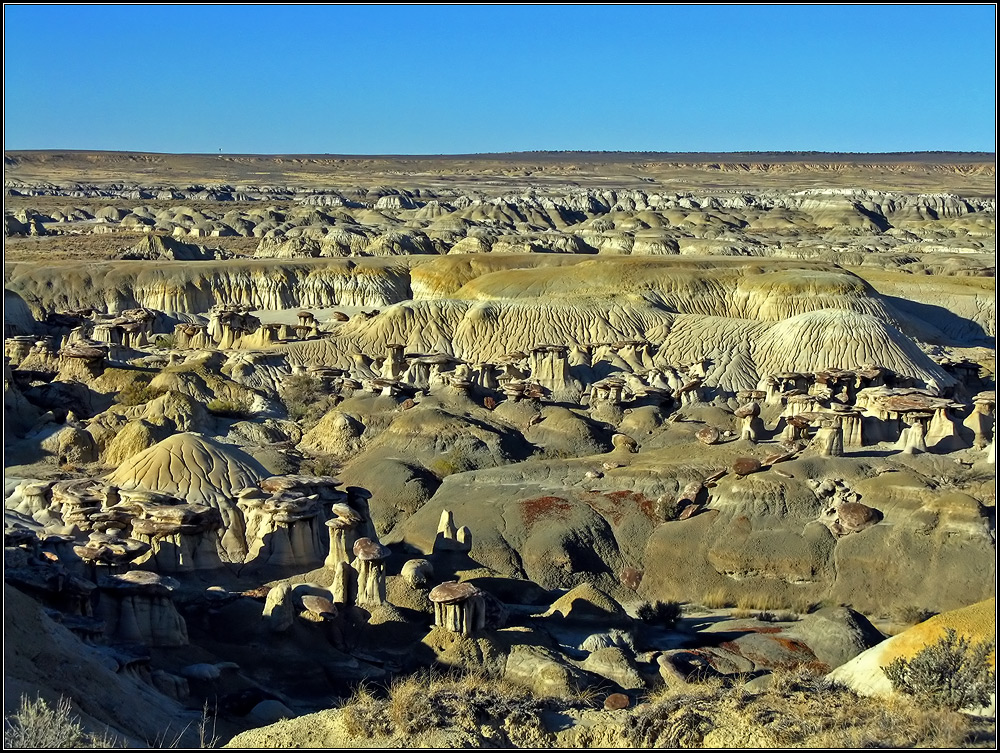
(443, 79)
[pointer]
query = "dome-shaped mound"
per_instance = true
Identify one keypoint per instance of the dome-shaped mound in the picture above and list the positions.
(865, 673)
(839, 339)
(192, 467)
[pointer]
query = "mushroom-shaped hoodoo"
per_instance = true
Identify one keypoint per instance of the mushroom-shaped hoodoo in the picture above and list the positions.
(912, 439)
(369, 562)
(796, 427)
(458, 607)
(344, 528)
(394, 365)
(751, 427)
(319, 607)
(344, 522)
(110, 550)
(943, 433)
(982, 421)
(610, 390)
(81, 363)
(137, 608)
(829, 439)
(690, 392)
(181, 537)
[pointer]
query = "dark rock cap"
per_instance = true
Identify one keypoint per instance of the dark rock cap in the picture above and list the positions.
(368, 550)
(453, 592)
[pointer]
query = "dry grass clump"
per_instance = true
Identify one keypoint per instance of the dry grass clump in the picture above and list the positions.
(748, 603)
(799, 709)
(424, 701)
(38, 725)
(364, 714)
(761, 601)
(679, 716)
(717, 599)
(765, 616)
(805, 710)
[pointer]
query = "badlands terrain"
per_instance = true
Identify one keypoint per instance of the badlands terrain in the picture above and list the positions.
(538, 449)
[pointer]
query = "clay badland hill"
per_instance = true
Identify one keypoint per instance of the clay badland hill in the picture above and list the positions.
(625, 438)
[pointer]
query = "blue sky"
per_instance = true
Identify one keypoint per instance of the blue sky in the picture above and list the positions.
(445, 80)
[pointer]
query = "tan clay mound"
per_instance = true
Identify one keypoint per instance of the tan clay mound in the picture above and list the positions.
(443, 277)
(192, 467)
(135, 437)
(864, 674)
(447, 443)
(195, 287)
(711, 287)
(960, 307)
(843, 340)
(768, 294)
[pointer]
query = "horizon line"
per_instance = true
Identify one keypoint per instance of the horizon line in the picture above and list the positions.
(701, 155)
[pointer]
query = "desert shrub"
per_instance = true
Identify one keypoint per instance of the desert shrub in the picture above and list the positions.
(451, 462)
(953, 673)
(165, 341)
(911, 615)
(553, 453)
(300, 392)
(300, 388)
(227, 409)
(322, 465)
(305, 399)
(662, 613)
(137, 393)
(38, 725)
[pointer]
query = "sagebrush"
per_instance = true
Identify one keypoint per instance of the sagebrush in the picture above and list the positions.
(38, 725)
(953, 673)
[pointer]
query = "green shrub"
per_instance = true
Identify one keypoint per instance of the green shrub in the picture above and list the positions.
(227, 409)
(137, 393)
(663, 613)
(305, 398)
(953, 673)
(910, 615)
(38, 725)
(322, 465)
(165, 341)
